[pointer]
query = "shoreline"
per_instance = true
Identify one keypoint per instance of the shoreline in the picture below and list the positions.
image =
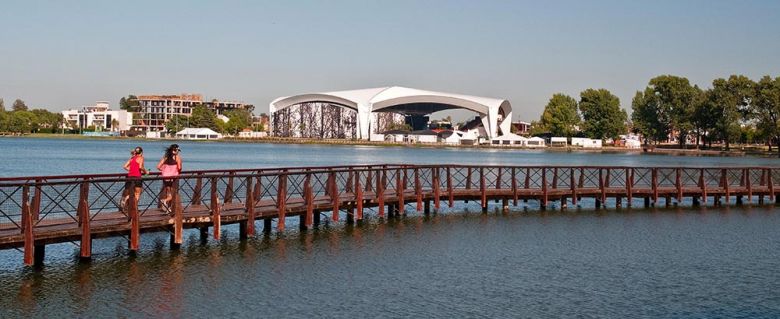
(660, 150)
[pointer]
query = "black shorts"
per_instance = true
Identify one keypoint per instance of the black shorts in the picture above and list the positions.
(168, 182)
(134, 182)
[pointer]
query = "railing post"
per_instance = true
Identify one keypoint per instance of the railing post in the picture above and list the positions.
(749, 185)
(36, 202)
(771, 183)
(281, 201)
(482, 190)
(196, 193)
(178, 212)
(258, 189)
(380, 192)
(678, 184)
(350, 179)
(27, 227)
(401, 180)
(250, 207)
(573, 187)
(418, 189)
(498, 178)
(358, 197)
(334, 197)
(216, 219)
(527, 178)
(468, 178)
(544, 188)
(308, 198)
(724, 177)
(450, 191)
(135, 231)
(629, 185)
(436, 186)
(555, 178)
(602, 187)
(702, 186)
(514, 185)
(654, 181)
(229, 188)
(85, 249)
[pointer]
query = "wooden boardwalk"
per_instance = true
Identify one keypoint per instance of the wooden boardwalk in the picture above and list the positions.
(41, 210)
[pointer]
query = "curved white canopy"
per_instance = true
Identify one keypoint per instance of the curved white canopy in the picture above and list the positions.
(366, 101)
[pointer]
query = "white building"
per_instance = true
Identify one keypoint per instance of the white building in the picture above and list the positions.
(100, 116)
(559, 141)
(363, 107)
(199, 133)
(585, 142)
(509, 139)
(535, 142)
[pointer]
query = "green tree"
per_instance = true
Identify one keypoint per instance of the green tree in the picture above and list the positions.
(46, 121)
(730, 101)
(129, 103)
(602, 116)
(4, 118)
(648, 117)
(705, 117)
(2, 106)
(676, 98)
(19, 105)
(21, 122)
(202, 116)
(560, 115)
(177, 123)
(766, 109)
(238, 120)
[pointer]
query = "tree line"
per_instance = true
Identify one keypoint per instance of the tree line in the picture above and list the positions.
(597, 115)
(20, 119)
(734, 110)
(202, 116)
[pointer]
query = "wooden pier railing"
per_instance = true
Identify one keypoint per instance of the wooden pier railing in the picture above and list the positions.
(40, 210)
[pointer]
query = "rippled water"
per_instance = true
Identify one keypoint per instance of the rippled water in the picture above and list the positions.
(676, 262)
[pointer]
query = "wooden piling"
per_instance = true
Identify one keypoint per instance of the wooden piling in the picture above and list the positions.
(216, 220)
(85, 246)
(250, 207)
(27, 227)
(281, 202)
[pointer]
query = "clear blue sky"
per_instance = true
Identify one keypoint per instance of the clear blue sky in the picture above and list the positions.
(60, 54)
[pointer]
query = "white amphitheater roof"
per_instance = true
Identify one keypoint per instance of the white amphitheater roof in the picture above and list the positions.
(406, 100)
(384, 97)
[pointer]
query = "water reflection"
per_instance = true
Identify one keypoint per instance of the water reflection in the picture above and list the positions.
(498, 264)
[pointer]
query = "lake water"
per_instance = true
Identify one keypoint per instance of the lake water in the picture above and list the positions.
(678, 262)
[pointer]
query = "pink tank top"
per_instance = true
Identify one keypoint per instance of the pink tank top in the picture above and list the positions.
(169, 170)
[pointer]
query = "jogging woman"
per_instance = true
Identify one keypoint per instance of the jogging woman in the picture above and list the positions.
(135, 169)
(169, 166)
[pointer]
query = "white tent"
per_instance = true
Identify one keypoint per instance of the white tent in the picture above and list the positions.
(496, 114)
(198, 133)
(457, 137)
(535, 142)
(558, 141)
(509, 139)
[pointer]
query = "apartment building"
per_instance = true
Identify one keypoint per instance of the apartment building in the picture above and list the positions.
(100, 116)
(155, 110)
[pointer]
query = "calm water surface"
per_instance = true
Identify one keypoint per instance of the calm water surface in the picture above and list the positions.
(662, 263)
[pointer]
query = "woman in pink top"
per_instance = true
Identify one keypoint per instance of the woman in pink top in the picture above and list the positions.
(135, 168)
(169, 166)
